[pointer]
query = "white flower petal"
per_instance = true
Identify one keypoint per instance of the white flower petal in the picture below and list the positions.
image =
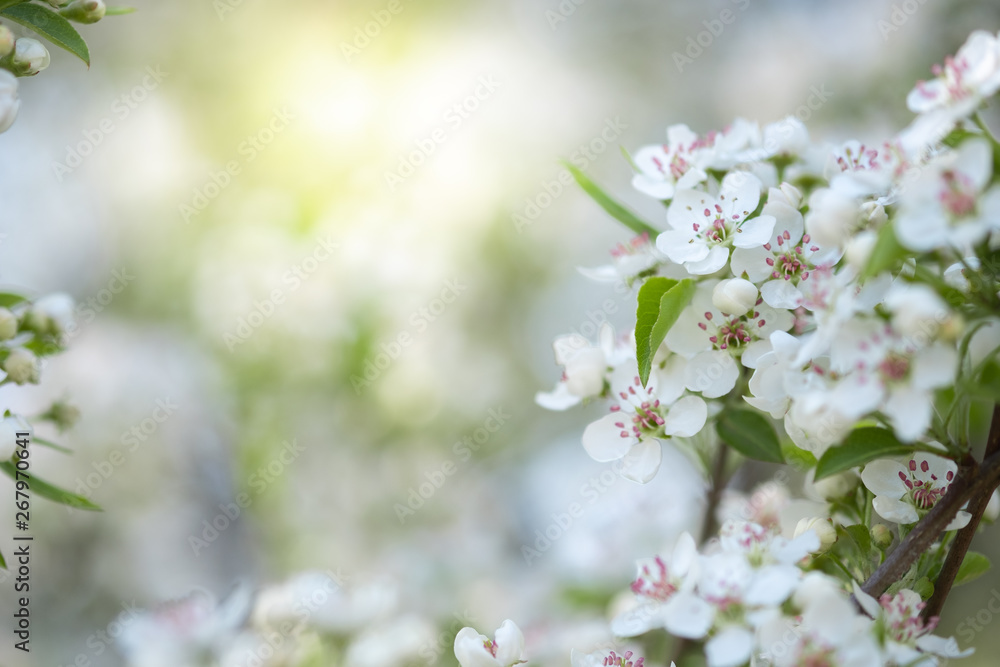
(642, 461)
(754, 233)
(558, 399)
(603, 440)
(882, 478)
(686, 417)
(687, 615)
(729, 648)
(509, 643)
(892, 509)
(713, 373)
(714, 261)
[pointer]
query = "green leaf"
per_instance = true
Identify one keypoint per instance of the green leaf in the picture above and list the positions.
(861, 446)
(887, 253)
(661, 301)
(118, 11)
(988, 384)
(861, 537)
(973, 566)
(43, 489)
(3, 562)
(923, 587)
(8, 299)
(51, 26)
(749, 433)
(800, 458)
(617, 211)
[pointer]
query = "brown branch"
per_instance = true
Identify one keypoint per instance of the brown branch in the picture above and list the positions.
(709, 526)
(963, 540)
(972, 479)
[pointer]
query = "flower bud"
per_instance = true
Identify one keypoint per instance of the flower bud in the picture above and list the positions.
(84, 11)
(8, 324)
(9, 428)
(52, 314)
(874, 213)
(63, 414)
(30, 57)
(881, 536)
(823, 529)
(792, 194)
(734, 296)
(22, 366)
(7, 40)
(10, 103)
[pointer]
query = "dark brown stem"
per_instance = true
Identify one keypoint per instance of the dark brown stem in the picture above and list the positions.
(972, 479)
(963, 540)
(709, 525)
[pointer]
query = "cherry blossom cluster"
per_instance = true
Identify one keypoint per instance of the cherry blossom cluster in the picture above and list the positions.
(814, 305)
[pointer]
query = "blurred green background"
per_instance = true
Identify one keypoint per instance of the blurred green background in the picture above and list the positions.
(227, 192)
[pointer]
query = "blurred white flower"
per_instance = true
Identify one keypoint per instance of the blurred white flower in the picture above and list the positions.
(505, 649)
(52, 314)
(963, 82)
(10, 103)
(22, 366)
(585, 368)
(948, 205)
(8, 324)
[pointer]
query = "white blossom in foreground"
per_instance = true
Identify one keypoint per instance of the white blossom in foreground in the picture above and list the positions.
(642, 417)
(504, 650)
(704, 227)
(905, 490)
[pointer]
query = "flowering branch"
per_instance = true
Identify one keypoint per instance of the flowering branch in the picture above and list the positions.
(963, 540)
(972, 481)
